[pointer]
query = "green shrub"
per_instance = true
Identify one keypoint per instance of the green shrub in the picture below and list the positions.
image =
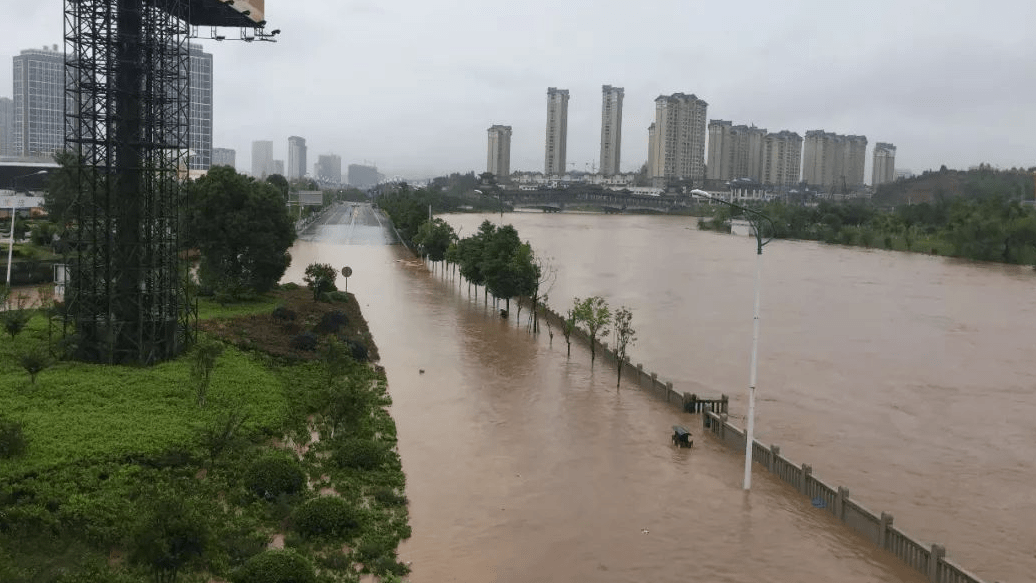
(34, 362)
(282, 313)
(331, 323)
(306, 341)
(290, 286)
(286, 566)
(327, 516)
(15, 321)
(387, 496)
(338, 296)
(12, 440)
(273, 475)
(361, 454)
(357, 350)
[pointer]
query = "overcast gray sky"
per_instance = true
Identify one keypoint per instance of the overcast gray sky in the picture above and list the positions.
(413, 85)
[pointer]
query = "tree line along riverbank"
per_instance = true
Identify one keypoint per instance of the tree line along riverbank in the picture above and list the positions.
(992, 228)
(264, 454)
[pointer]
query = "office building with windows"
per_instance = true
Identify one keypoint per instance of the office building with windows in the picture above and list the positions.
(328, 169)
(200, 108)
(296, 158)
(262, 159)
(39, 102)
(224, 157)
(6, 126)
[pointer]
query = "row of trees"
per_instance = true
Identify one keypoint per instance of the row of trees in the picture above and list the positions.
(595, 316)
(992, 228)
(496, 258)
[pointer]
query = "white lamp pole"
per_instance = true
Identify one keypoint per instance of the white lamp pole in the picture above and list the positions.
(750, 422)
(14, 209)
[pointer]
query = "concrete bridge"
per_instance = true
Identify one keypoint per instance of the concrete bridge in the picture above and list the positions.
(608, 201)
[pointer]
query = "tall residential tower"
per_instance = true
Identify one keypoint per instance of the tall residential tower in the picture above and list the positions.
(782, 159)
(498, 158)
(557, 131)
(884, 169)
(833, 161)
(611, 129)
(735, 151)
(678, 146)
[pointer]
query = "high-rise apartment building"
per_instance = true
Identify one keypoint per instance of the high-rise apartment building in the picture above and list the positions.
(678, 146)
(735, 151)
(262, 159)
(200, 108)
(557, 131)
(884, 168)
(39, 102)
(498, 158)
(278, 167)
(611, 129)
(6, 126)
(834, 161)
(782, 153)
(328, 169)
(855, 158)
(651, 148)
(224, 157)
(296, 158)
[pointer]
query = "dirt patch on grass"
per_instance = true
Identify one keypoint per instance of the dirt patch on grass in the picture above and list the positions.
(294, 329)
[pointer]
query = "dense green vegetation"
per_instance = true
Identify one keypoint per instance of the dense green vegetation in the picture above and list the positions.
(243, 232)
(410, 208)
(981, 183)
(125, 474)
(991, 228)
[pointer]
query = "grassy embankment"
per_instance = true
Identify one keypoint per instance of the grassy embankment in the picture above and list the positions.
(125, 477)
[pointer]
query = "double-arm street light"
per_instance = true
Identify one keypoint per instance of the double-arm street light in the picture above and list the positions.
(755, 219)
(14, 212)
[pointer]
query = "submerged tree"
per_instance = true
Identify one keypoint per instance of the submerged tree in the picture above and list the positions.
(593, 313)
(625, 336)
(569, 325)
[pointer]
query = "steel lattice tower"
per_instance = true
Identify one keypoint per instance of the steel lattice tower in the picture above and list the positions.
(128, 96)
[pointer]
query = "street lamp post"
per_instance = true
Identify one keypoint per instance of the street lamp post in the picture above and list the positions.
(14, 211)
(499, 200)
(757, 227)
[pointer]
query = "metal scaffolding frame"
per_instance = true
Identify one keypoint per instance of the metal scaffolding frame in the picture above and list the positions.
(127, 94)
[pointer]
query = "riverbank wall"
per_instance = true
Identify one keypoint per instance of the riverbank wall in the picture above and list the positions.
(651, 381)
(929, 560)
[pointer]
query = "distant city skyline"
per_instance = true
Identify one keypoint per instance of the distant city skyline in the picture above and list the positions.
(895, 76)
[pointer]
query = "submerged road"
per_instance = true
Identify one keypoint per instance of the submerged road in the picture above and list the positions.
(523, 464)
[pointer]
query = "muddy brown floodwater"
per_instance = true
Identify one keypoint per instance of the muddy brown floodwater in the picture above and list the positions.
(524, 465)
(907, 378)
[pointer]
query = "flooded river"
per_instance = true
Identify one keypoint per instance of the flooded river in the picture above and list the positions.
(525, 465)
